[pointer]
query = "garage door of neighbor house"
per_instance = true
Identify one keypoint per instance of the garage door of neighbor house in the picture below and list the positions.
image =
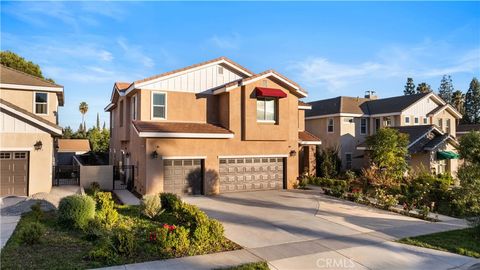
(14, 173)
(248, 174)
(183, 176)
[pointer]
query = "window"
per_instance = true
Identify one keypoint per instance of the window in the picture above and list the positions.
(121, 113)
(348, 161)
(377, 124)
(442, 166)
(20, 155)
(41, 101)
(440, 123)
(416, 120)
(4, 155)
(407, 120)
(159, 107)
(363, 126)
(133, 108)
(447, 126)
(266, 110)
(330, 125)
(220, 70)
(387, 121)
(425, 120)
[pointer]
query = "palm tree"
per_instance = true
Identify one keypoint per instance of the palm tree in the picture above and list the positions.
(458, 98)
(83, 108)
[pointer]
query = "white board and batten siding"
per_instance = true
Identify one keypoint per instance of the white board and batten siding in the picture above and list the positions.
(422, 108)
(9, 124)
(198, 80)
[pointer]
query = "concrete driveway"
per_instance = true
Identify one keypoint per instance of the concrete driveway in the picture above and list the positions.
(307, 230)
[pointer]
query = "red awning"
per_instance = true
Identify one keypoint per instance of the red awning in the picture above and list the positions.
(270, 92)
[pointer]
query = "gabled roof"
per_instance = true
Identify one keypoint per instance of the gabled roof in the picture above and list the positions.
(393, 104)
(304, 106)
(122, 86)
(31, 118)
(348, 105)
(219, 59)
(15, 79)
(305, 137)
(180, 130)
(73, 145)
(267, 73)
(465, 128)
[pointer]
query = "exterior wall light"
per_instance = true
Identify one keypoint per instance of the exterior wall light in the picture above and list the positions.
(38, 145)
(155, 153)
(293, 153)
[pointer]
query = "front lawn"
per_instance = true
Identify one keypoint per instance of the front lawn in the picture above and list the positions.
(182, 231)
(249, 266)
(463, 242)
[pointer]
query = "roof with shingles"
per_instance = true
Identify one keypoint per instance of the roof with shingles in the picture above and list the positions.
(179, 127)
(306, 136)
(468, 127)
(73, 145)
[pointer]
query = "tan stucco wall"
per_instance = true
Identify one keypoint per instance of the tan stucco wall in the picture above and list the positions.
(301, 120)
(100, 174)
(444, 115)
(40, 161)
(24, 100)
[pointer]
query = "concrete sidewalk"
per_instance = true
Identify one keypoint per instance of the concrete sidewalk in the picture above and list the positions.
(201, 262)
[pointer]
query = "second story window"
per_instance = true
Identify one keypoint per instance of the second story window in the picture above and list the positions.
(407, 120)
(425, 120)
(159, 105)
(133, 109)
(121, 113)
(266, 110)
(41, 103)
(447, 125)
(440, 123)
(363, 126)
(330, 125)
(416, 120)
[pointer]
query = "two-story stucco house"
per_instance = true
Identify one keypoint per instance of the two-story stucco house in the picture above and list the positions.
(210, 128)
(28, 132)
(345, 122)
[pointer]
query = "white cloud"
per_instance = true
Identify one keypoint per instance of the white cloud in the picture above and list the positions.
(226, 42)
(135, 53)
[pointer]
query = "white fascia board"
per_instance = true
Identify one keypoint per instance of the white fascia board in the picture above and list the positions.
(310, 142)
(385, 114)
(423, 135)
(184, 135)
(109, 106)
(448, 107)
(31, 119)
(184, 157)
(31, 87)
(305, 107)
(14, 149)
(255, 156)
(337, 114)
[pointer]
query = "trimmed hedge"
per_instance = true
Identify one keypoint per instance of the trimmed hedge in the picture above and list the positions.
(76, 211)
(170, 202)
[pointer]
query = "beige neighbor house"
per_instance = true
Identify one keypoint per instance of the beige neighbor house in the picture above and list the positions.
(28, 132)
(345, 122)
(210, 128)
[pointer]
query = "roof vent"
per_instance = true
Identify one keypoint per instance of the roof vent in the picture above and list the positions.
(370, 94)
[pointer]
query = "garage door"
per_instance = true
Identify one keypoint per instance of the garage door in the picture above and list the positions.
(248, 174)
(14, 173)
(183, 176)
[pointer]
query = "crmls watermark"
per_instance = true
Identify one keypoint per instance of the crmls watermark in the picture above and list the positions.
(335, 263)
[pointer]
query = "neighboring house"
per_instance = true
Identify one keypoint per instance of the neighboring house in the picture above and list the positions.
(345, 122)
(463, 129)
(67, 148)
(28, 132)
(209, 128)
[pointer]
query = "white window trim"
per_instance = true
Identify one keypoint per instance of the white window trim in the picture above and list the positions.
(425, 120)
(151, 105)
(275, 110)
(366, 126)
(333, 125)
(34, 102)
(134, 112)
(416, 120)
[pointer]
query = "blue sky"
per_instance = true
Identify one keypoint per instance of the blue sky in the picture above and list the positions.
(331, 49)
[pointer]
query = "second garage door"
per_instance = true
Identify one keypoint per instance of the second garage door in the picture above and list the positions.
(14, 173)
(248, 174)
(183, 176)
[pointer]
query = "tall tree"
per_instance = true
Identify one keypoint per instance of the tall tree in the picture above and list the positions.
(472, 103)
(15, 61)
(424, 88)
(409, 87)
(445, 91)
(67, 133)
(98, 121)
(458, 100)
(83, 108)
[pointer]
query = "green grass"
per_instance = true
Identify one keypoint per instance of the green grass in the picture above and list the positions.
(62, 248)
(463, 242)
(249, 266)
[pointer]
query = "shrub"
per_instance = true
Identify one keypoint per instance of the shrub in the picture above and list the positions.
(106, 212)
(328, 163)
(104, 252)
(94, 230)
(424, 211)
(175, 241)
(170, 202)
(350, 175)
(124, 242)
(93, 188)
(475, 224)
(151, 206)
(385, 200)
(31, 233)
(37, 212)
(76, 211)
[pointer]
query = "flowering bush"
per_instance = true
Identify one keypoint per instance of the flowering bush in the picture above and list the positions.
(385, 200)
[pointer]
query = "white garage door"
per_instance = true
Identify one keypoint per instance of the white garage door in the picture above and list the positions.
(250, 173)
